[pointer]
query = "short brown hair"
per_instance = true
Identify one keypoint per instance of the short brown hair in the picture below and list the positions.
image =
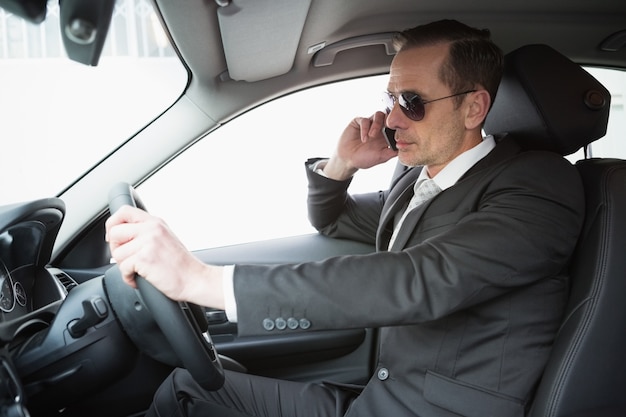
(473, 58)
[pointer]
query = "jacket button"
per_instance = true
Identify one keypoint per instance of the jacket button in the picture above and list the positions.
(281, 323)
(292, 323)
(305, 324)
(268, 324)
(383, 373)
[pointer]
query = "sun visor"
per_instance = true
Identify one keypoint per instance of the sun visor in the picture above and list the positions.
(261, 37)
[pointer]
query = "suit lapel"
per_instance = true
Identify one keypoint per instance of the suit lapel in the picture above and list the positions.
(399, 195)
(402, 191)
(409, 224)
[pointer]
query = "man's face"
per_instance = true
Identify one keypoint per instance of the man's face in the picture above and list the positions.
(441, 135)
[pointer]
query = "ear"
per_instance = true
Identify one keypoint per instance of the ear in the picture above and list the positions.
(478, 107)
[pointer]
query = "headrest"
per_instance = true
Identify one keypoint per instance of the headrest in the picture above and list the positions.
(548, 102)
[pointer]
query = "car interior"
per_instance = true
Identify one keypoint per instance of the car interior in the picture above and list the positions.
(82, 343)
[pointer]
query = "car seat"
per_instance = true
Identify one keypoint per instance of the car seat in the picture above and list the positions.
(548, 102)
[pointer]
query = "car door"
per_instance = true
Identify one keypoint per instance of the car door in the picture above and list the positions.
(244, 193)
(337, 355)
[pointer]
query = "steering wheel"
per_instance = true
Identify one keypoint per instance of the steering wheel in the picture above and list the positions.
(183, 324)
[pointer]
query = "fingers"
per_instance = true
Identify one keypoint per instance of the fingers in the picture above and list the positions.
(144, 245)
(126, 214)
(362, 145)
(387, 154)
(128, 274)
(371, 128)
(122, 231)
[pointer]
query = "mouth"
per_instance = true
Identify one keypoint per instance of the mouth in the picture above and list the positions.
(402, 145)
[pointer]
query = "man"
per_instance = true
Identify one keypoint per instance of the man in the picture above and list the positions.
(468, 287)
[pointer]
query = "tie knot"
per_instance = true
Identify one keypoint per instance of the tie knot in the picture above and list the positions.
(423, 191)
(426, 187)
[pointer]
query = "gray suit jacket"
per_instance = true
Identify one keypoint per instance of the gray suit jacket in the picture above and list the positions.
(468, 299)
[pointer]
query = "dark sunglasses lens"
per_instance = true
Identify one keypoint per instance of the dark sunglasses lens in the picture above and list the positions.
(412, 106)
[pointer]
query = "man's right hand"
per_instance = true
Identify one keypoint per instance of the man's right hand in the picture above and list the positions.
(362, 145)
(142, 244)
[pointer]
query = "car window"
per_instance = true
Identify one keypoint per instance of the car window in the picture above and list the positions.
(246, 181)
(58, 117)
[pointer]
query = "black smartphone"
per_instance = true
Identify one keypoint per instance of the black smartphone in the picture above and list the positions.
(390, 136)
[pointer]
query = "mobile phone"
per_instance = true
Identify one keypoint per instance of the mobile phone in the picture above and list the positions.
(390, 136)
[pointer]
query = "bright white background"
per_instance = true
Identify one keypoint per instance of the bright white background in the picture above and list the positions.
(246, 181)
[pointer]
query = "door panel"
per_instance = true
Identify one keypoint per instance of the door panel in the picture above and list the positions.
(337, 355)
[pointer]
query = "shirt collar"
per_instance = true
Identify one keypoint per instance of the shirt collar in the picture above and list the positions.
(455, 169)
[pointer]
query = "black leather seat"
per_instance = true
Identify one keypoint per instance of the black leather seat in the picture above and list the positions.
(587, 373)
(548, 102)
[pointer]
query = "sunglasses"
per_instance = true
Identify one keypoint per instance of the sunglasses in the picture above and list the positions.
(412, 104)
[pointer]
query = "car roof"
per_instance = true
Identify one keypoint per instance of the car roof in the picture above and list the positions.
(228, 45)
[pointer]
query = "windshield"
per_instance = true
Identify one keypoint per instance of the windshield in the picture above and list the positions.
(58, 117)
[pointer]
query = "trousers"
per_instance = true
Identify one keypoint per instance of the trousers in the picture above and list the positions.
(245, 395)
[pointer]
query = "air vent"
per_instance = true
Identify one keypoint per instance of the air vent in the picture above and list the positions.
(66, 281)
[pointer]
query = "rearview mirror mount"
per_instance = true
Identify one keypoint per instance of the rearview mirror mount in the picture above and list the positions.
(84, 24)
(84, 27)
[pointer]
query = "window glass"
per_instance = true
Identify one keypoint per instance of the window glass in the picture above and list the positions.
(58, 117)
(246, 181)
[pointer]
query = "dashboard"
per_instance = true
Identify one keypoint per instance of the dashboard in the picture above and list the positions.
(60, 342)
(30, 293)
(11, 293)
(63, 345)
(27, 233)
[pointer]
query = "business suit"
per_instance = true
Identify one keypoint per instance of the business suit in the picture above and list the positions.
(468, 299)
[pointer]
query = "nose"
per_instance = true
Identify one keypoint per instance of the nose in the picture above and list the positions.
(395, 118)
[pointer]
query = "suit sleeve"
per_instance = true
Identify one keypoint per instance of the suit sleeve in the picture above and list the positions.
(335, 213)
(521, 227)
